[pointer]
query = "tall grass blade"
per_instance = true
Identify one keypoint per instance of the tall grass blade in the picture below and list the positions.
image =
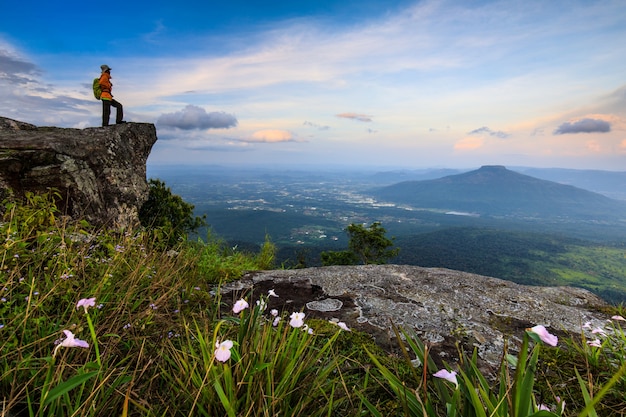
(67, 386)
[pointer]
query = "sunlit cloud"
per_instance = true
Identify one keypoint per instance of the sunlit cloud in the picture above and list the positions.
(469, 144)
(356, 116)
(271, 136)
(593, 146)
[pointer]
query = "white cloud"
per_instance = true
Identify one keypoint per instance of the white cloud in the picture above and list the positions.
(194, 117)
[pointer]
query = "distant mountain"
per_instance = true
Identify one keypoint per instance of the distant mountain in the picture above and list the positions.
(609, 183)
(497, 191)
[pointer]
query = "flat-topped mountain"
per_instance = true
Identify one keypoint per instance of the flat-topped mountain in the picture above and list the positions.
(497, 191)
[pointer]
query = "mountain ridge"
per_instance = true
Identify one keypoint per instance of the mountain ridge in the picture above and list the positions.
(494, 190)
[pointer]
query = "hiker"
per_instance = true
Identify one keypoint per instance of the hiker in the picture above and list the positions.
(107, 98)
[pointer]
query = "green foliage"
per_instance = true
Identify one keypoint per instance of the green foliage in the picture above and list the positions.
(158, 315)
(365, 245)
(344, 257)
(217, 262)
(270, 372)
(469, 392)
(168, 214)
(525, 258)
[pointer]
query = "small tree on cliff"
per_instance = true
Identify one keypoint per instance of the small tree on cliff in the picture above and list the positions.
(169, 213)
(365, 245)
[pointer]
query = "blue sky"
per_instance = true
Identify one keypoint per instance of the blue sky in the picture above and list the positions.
(392, 83)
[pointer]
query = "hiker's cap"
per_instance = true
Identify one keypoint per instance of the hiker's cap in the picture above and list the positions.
(105, 68)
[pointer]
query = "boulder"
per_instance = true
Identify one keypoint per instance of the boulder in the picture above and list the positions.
(100, 173)
(442, 307)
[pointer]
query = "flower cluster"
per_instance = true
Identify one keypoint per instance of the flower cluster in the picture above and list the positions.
(538, 331)
(222, 351)
(614, 335)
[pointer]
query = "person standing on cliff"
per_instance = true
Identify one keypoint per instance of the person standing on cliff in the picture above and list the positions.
(107, 98)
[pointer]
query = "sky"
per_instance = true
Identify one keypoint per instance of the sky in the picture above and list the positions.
(312, 83)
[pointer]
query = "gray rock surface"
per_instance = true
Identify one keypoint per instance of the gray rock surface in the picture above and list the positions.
(441, 306)
(99, 172)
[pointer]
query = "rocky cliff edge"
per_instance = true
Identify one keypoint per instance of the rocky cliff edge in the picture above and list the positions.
(100, 173)
(442, 307)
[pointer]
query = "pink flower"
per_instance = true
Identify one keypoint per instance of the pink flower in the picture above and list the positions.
(222, 351)
(275, 322)
(544, 335)
(86, 303)
(70, 341)
(297, 319)
(240, 306)
(343, 326)
(599, 330)
(595, 343)
(447, 375)
(274, 312)
(619, 318)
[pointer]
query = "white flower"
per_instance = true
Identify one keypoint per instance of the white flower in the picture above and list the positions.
(343, 326)
(86, 303)
(274, 312)
(70, 341)
(222, 351)
(240, 305)
(595, 343)
(262, 304)
(544, 335)
(271, 293)
(297, 319)
(599, 330)
(447, 375)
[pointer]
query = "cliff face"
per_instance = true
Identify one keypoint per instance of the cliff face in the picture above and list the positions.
(99, 172)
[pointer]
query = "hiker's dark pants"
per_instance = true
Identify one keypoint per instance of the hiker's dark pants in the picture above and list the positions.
(106, 111)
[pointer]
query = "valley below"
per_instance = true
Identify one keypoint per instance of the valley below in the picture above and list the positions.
(305, 213)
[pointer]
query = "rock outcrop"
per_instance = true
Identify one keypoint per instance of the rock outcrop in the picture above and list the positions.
(100, 173)
(441, 306)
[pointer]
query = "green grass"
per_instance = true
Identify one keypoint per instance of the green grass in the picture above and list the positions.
(157, 317)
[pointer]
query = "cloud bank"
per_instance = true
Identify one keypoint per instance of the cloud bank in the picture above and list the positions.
(584, 126)
(14, 70)
(194, 117)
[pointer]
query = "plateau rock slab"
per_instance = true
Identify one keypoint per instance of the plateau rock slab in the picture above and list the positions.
(99, 172)
(441, 306)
